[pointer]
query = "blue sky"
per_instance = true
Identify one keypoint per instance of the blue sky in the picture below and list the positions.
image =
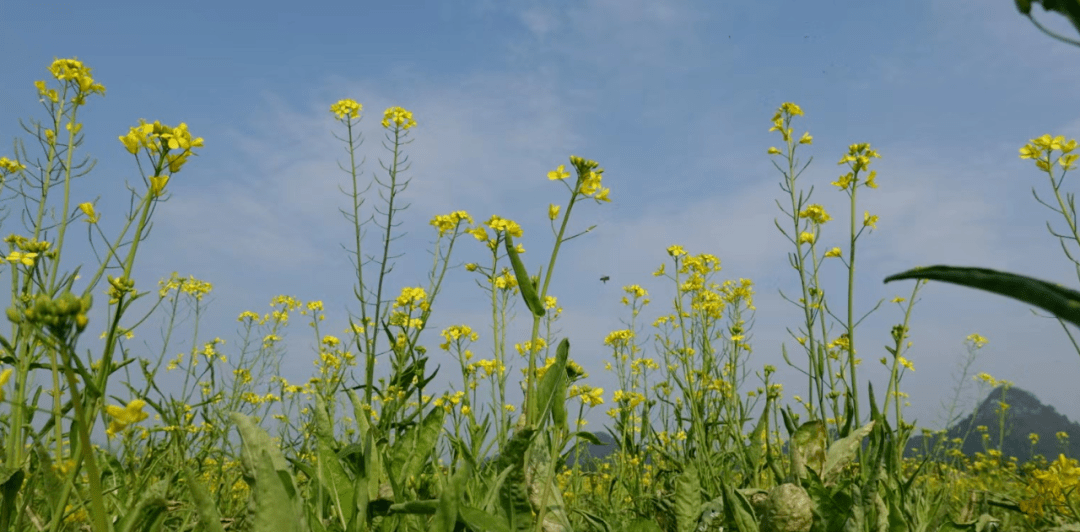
(672, 98)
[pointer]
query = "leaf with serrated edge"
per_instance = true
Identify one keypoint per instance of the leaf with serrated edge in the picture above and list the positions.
(842, 452)
(687, 499)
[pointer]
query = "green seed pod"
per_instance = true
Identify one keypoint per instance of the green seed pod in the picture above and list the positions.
(525, 285)
(87, 301)
(788, 509)
(13, 315)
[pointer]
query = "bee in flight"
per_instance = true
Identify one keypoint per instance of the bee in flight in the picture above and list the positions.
(605, 279)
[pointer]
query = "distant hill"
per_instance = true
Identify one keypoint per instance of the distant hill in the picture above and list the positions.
(590, 451)
(1025, 415)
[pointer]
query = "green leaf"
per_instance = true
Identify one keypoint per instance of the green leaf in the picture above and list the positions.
(480, 520)
(789, 420)
(753, 451)
(409, 459)
(739, 510)
(373, 459)
(275, 503)
(525, 284)
(552, 389)
(427, 507)
(588, 436)
(150, 508)
(11, 481)
(1062, 302)
(332, 475)
(642, 524)
(513, 491)
(808, 448)
(687, 499)
(209, 518)
(596, 521)
(545, 497)
(446, 514)
(842, 452)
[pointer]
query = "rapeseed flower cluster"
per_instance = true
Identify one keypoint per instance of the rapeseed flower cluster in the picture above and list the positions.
(589, 395)
(1040, 149)
(448, 222)
(125, 415)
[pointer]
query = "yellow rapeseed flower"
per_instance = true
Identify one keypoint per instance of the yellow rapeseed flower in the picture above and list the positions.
(815, 213)
(346, 107)
(88, 209)
(399, 116)
(674, 251)
(157, 184)
(448, 222)
(125, 415)
(499, 224)
(8, 166)
(5, 376)
(26, 258)
(559, 173)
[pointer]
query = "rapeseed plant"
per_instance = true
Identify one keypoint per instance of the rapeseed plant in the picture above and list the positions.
(683, 458)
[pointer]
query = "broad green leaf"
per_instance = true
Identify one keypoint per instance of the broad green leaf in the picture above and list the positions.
(417, 446)
(545, 497)
(1062, 302)
(642, 524)
(597, 522)
(275, 504)
(513, 491)
(478, 519)
(687, 499)
(753, 451)
(332, 475)
(808, 447)
(209, 518)
(842, 452)
(896, 518)
(427, 507)
(446, 515)
(149, 509)
(739, 510)
(528, 290)
(11, 481)
(373, 460)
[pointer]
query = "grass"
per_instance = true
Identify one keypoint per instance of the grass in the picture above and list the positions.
(698, 446)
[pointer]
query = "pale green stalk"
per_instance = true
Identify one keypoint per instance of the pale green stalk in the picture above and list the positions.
(853, 386)
(530, 387)
(813, 375)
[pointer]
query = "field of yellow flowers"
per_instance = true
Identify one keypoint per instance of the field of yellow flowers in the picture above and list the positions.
(92, 442)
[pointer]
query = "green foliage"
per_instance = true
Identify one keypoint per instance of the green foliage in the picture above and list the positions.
(687, 500)
(680, 432)
(1062, 302)
(275, 503)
